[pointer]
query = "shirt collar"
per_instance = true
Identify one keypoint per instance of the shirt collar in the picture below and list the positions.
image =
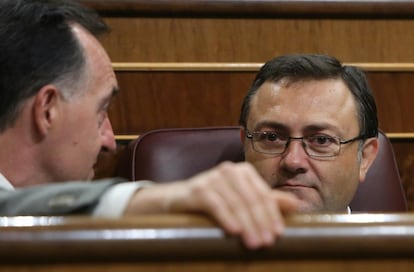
(5, 184)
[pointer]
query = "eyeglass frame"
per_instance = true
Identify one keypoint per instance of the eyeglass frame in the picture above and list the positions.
(250, 135)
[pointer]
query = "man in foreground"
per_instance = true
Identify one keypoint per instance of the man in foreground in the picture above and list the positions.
(56, 84)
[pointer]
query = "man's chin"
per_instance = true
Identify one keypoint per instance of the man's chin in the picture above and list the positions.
(306, 207)
(308, 203)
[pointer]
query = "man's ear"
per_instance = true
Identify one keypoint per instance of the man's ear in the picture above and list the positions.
(368, 155)
(45, 108)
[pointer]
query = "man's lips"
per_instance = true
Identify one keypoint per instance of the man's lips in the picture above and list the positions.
(293, 186)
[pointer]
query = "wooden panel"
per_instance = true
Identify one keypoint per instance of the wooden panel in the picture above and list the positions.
(394, 95)
(257, 40)
(154, 99)
(151, 100)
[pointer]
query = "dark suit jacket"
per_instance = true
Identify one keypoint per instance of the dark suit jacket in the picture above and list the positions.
(56, 199)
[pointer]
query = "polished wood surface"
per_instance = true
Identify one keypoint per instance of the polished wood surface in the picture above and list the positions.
(183, 97)
(137, 39)
(307, 265)
(167, 237)
(326, 242)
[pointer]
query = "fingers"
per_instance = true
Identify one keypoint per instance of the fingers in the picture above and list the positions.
(241, 202)
(251, 205)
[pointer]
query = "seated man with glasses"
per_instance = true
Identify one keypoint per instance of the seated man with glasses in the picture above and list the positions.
(309, 126)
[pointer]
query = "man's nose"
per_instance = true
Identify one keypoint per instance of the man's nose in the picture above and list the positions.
(107, 134)
(295, 156)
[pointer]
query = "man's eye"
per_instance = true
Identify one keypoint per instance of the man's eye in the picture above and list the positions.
(271, 136)
(268, 136)
(321, 140)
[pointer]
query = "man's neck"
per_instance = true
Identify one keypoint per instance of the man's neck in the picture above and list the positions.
(19, 158)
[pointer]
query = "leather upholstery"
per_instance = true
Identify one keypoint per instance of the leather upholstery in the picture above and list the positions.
(173, 154)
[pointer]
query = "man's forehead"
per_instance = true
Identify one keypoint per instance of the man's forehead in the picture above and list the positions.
(300, 90)
(305, 104)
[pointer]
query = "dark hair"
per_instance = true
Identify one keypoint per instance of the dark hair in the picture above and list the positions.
(38, 47)
(307, 66)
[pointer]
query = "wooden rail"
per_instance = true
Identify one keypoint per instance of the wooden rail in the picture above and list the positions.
(240, 67)
(189, 237)
(189, 243)
(391, 136)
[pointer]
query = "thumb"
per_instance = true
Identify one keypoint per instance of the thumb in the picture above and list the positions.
(286, 201)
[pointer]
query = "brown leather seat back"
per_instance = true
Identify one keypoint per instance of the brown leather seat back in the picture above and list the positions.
(382, 189)
(170, 154)
(173, 154)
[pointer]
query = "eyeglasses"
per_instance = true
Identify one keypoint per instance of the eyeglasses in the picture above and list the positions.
(316, 146)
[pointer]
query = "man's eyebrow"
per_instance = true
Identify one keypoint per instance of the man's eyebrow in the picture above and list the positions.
(321, 126)
(115, 91)
(106, 100)
(271, 125)
(282, 127)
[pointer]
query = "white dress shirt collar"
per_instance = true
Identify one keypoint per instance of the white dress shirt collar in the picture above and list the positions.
(5, 184)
